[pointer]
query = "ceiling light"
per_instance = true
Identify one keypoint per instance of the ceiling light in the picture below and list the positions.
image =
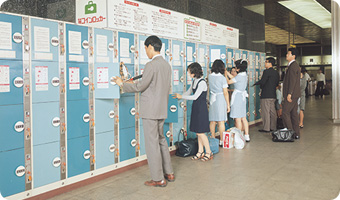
(311, 10)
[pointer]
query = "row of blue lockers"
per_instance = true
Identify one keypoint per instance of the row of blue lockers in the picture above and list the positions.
(106, 50)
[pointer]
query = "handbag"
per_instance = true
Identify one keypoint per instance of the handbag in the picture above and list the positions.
(283, 135)
(187, 147)
(214, 144)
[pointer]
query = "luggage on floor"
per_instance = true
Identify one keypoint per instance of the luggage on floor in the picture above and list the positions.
(325, 92)
(283, 135)
(228, 140)
(214, 144)
(239, 140)
(187, 147)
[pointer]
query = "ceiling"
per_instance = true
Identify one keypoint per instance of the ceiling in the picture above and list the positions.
(279, 21)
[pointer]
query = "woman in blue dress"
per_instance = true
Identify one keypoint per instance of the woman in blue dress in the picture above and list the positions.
(219, 98)
(238, 109)
(199, 122)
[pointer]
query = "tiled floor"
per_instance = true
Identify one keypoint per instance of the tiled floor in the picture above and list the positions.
(308, 168)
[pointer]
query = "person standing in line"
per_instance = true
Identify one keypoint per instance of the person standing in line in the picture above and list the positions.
(199, 122)
(291, 93)
(303, 83)
(219, 98)
(238, 109)
(321, 82)
(270, 79)
(154, 88)
(278, 101)
(307, 77)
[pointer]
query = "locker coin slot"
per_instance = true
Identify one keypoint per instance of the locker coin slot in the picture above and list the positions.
(17, 37)
(55, 41)
(55, 81)
(168, 134)
(19, 126)
(167, 52)
(110, 47)
(85, 44)
(56, 162)
(86, 81)
(87, 154)
(20, 171)
(133, 142)
(133, 111)
(194, 55)
(182, 104)
(56, 121)
(182, 53)
(112, 148)
(132, 49)
(18, 82)
(182, 130)
(206, 56)
(182, 79)
(223, 56)
(173, 108)
(86, 118)
(112, 114)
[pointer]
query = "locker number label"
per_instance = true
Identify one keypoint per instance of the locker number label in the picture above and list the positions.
(112, 148)
(18, 82)
(20, 171)
(55, 41)
(19, 126)
(86, 81)
(56, 121)
(110, 47)
(86, 118)
(56, 162)
(17, 37)
(112, 114)
(133, 111)
(133, 142)
(87, 154)
(55, 81)
(173, 108)
(85, 44)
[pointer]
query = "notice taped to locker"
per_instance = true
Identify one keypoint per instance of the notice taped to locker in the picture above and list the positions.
(41, 78)
(74, 83)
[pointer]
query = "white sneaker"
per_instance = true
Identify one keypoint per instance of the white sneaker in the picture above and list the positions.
(247, 138)
(221, 142)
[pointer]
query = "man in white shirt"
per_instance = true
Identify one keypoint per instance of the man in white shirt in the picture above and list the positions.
(308, 80)
(321, 81)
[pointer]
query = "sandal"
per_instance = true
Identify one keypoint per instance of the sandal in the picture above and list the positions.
(200, 155)
(301, 126)
(206, 158)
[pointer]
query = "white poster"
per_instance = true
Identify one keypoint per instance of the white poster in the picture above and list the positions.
(41, 78)
(102, 77)
(101, 45)
(189, 79)
(237, 56)
(74, 78)
(41, 39)
(176, 52)
(163, 50)
(201, 55)
(4, 78)
(189, 54)
(142, 51)
(5, 35)
(176, 77)
(229, 58)
(74, 42)
(215, 54)
(124, 48)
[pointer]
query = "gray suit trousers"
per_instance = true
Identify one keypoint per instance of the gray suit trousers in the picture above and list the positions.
(157, 150)
(268, 114)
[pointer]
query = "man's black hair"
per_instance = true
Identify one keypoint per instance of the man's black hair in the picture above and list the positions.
(155, 42)
(271, 60)
(294, 51)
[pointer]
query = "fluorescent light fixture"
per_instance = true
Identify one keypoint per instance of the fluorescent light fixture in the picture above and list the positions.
(258, 41)
(311, 10)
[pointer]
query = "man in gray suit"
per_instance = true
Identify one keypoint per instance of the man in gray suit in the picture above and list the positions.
(154, 88)
(291, 93)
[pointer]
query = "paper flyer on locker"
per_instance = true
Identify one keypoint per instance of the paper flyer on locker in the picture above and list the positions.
(133, 16)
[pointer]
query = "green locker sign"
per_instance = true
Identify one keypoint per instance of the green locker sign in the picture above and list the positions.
(90, 8)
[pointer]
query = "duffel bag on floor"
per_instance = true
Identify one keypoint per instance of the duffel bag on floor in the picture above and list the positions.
(283, 135)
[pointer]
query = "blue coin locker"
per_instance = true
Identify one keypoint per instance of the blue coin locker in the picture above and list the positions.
(202, 58)
(9, 117)
(77, 87)
(76, 43)
(126, 106)
(12, 93)
(43, 74)
(244, 56)
(177, 67)
(45, 131)
(165, 49)
(257, 89)
(9, 162)
(77, 163)
(166, 129)
(105, 154)
(44, 171)
(45, 40)
(126, 150)
(251, 79)
(104, 113)
(172, 110)
(177, 129)
(230, 58)
(126, 43)
(77, 121)
(105, 69)
(13, 50)
(217, 52)
(190, 50)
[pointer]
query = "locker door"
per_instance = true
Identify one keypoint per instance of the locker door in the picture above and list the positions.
(78, 155)
(251, 78)
(167, 133)
(172, 110)
(105, 149)
(105, 69)
(257, 89)
(217, 52)
(238, 54)
(77, 119)
(77, 81)
(244, 56)
(11, 162)
(127, 143)
(126, 51)
(202, 58)
(76, 43)
(230, 58)
(165, 52)
(11, 90)
(104, 115)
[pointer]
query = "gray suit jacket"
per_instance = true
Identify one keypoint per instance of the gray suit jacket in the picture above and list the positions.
(154, 88)
(291, 81)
